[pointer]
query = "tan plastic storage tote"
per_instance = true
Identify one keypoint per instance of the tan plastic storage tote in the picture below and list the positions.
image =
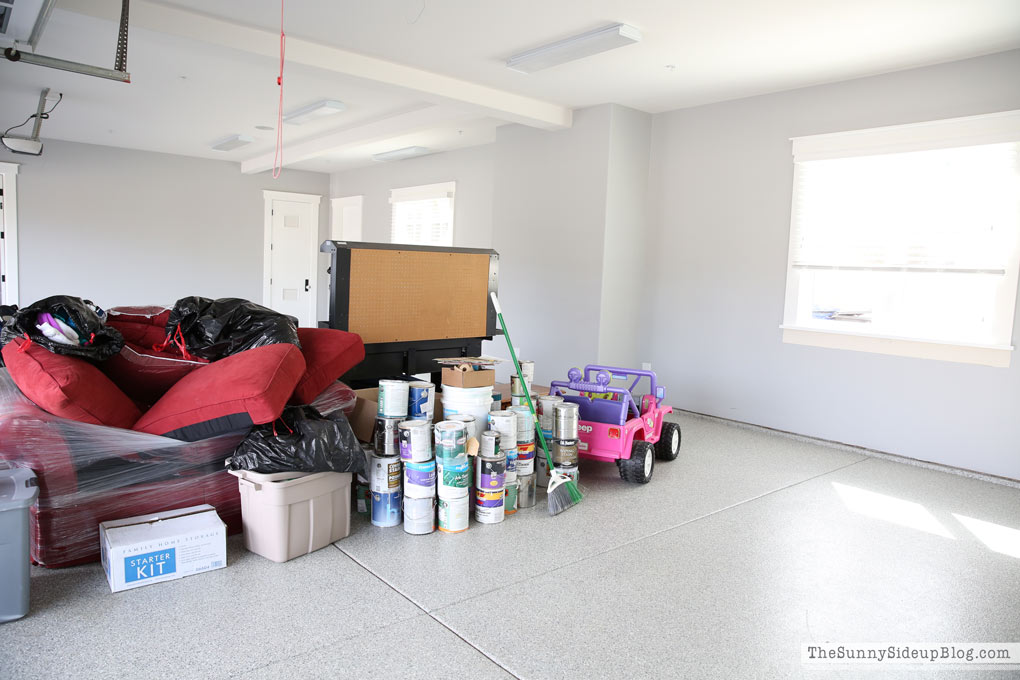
(289, 514)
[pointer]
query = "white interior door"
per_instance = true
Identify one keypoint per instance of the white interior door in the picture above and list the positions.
(293, 232)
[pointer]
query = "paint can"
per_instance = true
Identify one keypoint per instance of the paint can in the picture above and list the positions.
(385, 436)
(517, 387)
(450, 442)
(385, 475)
(489, 507)
(541, 470)
(528, 371)
(568, 470)
(419, 515)
(519, 400)
(546, 403)
(489, 444)
(504, 422)
(467, 420)
(526, 458)
(453, 514)
(413, 437)
(490, 472)
(565, 420)
(453, 481)
(421, 401)
(363, 499)
(393, 395)
(420, 479)
(386, 508)
(510, 499)
(526, 491)
(564, 451)
(525, 424)
(511, 467)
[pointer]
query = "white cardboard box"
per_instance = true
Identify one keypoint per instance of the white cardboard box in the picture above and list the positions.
(168, 545)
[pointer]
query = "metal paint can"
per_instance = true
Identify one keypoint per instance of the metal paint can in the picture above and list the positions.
(564, 451)
(489, 444)
(490, 472)
(453, 514)
(504, 422)
(520, 400)
(414, 439)
(516, 386)
(511, 467)
(385, 474)
(453, 481)
(419, 515)
(525, 424)
(420, 479)
(510, 500)
(386, 508)
(568, 470)
(451, 437)
(421, 401)
(386, 437)
(546, 403)
(528, 371)
(489, 507)
(393, 395)
(565, 416)
(541, 470)
(526, 491)
(526, 458)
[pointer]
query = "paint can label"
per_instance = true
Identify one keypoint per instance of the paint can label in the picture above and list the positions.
(453, 514)
(526, 458)
(455, 476)
(420, 479)
(386, 509)
(393, 398)
(491, 473)
(489, 445)
(564, 452)
(413, 436)
(511, 462)
(504, 422)
(569, 471)
(421, 401)
(419, 515)
(489, 499)
(510, 502)
(385, 475)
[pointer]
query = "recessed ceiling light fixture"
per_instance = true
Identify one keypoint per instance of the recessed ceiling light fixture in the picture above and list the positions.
(402, 154)
(576, 47)
(232, 142)
(306, 114)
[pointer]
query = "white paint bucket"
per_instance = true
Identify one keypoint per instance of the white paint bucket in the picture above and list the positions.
(453, 514)
(471, 401)
(393, 396)
(420, 479)
(384, 477)
(419, 515)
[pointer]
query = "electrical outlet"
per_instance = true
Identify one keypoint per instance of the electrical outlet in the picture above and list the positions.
(646, 366)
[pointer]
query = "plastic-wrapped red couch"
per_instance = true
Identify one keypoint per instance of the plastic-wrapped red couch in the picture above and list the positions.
(100, 454)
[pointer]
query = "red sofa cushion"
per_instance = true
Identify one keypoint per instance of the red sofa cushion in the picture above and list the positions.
(147, 374)
(68, 387)
(142, 326)
(248, 388)
(328, 354)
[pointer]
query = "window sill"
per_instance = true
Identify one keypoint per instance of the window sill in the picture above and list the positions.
(984, 355)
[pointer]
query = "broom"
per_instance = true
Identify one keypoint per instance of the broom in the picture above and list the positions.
(563, 492)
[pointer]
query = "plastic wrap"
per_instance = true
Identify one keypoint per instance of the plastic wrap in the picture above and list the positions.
(51, 320)
(336, 397)
(91, 473)
(213, 329)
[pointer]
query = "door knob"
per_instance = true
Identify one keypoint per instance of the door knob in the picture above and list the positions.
(307, 287)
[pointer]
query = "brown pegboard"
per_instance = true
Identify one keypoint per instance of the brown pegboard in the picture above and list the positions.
(405, 295)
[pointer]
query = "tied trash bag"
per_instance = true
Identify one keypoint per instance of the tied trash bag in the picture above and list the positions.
(65, 325)
(213, 329)
(306, 442)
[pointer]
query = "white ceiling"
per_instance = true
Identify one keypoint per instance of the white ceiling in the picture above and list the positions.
(196, 79)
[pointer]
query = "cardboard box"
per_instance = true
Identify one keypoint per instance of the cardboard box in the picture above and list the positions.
(363, 418)
(164, 546)
(457, 378)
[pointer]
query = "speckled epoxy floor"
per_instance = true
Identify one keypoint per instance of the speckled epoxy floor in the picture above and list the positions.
(743, 549)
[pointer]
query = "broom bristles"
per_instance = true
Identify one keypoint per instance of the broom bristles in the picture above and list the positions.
(565, 496)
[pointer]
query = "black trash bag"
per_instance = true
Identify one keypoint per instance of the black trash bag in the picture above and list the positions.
(96, 340)
(213, 329)
(6, 316)
(306, 442)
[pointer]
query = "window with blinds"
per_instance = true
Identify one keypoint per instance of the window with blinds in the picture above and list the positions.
(423, 215)
(909, 235)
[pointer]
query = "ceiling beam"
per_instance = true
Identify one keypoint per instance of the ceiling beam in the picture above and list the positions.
(433, 87)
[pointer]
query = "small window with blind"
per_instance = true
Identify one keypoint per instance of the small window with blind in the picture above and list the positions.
(423, 215)
(906, 240)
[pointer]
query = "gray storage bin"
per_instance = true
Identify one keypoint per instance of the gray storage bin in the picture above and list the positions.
(18, 492)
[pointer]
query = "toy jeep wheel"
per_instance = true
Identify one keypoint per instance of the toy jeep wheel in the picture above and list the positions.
(668, 447)
(638, 468)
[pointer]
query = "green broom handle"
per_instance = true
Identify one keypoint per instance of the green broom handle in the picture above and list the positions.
(520, 375)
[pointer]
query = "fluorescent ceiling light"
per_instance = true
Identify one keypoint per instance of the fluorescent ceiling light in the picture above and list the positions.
(306, 114)
(401, 154)
(232, 142)
(576, 47)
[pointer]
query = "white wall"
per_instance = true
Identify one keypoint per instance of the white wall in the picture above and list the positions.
(125, 227)
(721, 179)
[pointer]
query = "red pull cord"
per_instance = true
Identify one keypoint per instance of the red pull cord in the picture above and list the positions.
(278, 157)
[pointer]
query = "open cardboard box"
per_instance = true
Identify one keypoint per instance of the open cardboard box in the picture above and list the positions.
(367, 407)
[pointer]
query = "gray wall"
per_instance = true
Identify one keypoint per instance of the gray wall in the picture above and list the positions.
(133, 227)
(721, 179)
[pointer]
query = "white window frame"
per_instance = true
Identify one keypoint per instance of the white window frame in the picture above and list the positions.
(425, 192)
(11, 288)
(940, 134)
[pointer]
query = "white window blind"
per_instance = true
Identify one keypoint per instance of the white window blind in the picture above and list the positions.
(423, 215)
(909, 233)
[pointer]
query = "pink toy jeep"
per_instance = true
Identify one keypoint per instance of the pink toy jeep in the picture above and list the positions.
(613, 426)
